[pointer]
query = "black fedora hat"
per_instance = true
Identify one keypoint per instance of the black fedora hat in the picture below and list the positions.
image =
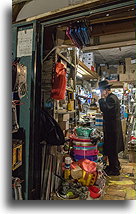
(104, 84)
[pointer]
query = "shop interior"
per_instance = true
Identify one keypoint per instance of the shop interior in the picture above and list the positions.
(78, 114)
(73, 103)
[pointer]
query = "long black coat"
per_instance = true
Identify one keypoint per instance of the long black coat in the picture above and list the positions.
(113, 136)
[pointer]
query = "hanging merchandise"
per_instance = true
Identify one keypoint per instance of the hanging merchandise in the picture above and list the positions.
(17, 189)
(79, 34)
(50, 130)
(59, 82)
(15, 125)
(19, 75)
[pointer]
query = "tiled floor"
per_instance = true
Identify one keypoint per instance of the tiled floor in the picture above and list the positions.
(122, 187)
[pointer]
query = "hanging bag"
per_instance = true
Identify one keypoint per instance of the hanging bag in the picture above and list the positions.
(59, 82)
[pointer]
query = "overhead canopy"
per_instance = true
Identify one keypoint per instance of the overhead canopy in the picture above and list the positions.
(38, 9)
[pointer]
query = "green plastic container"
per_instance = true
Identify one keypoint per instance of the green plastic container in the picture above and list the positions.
(83, 133)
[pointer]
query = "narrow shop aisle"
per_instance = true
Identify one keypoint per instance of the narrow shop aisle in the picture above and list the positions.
(122, 187)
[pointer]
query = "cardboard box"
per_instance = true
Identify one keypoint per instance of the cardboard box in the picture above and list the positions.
(103, 68)
(128, 65)
(63, 117)
(64, 125)
(133, 68)
(89, 65)
(127, 77)
(120, 69)
(88, 55)
(124, 77)
(132, 76)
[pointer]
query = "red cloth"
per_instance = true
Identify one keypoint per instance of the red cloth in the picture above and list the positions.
(59, 82)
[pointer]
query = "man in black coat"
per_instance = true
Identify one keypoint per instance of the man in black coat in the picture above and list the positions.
(113, 136)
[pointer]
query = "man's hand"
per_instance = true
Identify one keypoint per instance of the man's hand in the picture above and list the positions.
(104, 94)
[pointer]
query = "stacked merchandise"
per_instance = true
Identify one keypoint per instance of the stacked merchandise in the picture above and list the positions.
(84, 149)
(128, 73)
(83, 180)
(88, 60)
(99, 121)
(83, 176)
(83, 146)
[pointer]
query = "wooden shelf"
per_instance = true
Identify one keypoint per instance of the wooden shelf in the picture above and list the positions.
(92, 74)
(69, 89)
(116, 84)
(64, 58)
(64, 112)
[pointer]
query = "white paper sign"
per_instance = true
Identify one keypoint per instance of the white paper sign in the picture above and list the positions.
(24, 43)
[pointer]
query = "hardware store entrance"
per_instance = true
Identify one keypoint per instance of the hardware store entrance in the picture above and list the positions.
(75, 55)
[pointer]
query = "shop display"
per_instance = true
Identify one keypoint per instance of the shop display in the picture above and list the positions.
(62, 153)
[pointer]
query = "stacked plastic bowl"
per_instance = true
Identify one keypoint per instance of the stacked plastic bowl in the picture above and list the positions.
(83, 147)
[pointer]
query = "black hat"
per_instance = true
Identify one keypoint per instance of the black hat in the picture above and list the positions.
(104, 84)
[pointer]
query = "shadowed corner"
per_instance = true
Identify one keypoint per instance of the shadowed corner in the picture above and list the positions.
(7, 98)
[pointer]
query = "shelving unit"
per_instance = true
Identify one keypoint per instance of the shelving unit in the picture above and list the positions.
(91, 74)
(64, 58)
(69, 89)
(64, 112)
